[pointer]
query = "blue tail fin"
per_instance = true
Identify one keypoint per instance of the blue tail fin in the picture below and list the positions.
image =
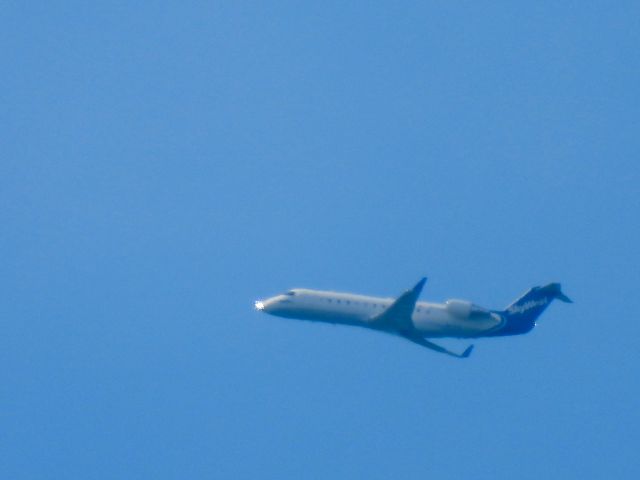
(521, 315)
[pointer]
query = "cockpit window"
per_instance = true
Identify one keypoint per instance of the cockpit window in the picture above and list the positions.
(291, 293)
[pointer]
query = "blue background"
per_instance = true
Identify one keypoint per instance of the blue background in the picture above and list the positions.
(164, 165)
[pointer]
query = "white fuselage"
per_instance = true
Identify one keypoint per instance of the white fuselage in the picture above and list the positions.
(429, 319)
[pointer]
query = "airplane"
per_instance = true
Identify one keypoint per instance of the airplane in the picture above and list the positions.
(415, 321)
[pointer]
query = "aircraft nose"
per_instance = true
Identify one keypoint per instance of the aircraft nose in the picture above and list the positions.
(269, 305)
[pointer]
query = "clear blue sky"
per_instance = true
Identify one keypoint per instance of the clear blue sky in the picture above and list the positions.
(164, 165)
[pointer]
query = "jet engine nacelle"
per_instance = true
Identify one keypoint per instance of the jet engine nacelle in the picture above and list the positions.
(465, 309)
(459, 308)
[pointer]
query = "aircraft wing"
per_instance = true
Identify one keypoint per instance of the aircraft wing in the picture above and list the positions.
(398, 314)
(434, 346)
(398, 317)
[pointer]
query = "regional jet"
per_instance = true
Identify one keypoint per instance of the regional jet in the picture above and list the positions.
(415, 321)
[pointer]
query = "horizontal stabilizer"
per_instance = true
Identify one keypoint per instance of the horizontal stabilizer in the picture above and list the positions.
(563, 298)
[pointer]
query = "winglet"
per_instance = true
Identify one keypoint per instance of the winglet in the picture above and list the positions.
(467, 352)
(418, 288)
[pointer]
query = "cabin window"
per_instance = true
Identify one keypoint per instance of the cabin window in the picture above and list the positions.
(291, 293)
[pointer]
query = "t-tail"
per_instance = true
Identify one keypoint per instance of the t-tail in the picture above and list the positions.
(521, 315)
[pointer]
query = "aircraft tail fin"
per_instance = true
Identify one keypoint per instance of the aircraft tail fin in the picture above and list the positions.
(521, 315)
